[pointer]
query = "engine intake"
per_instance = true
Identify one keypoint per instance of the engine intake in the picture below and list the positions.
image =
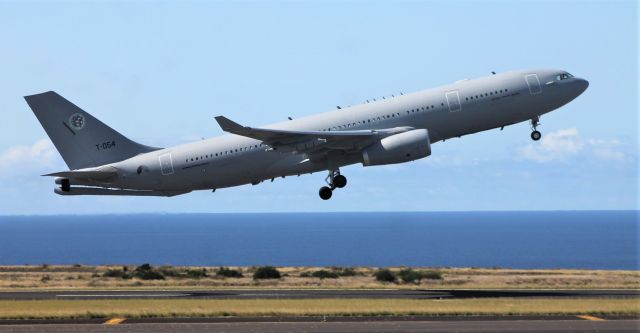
(398, 148)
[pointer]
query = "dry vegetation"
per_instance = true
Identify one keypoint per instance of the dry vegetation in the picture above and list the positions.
(91, 277)
(310, 307)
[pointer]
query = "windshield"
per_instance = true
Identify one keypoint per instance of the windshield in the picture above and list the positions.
(563, 76)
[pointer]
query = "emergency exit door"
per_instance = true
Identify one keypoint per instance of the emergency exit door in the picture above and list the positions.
(453, 101)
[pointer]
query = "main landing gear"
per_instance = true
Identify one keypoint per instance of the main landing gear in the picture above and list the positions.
(535, 135)
(334, 180)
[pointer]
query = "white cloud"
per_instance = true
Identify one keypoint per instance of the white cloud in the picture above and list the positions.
(565, 144)
(607, 150)
(40, 154)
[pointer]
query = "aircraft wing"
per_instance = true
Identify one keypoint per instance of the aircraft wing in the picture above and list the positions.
(305, 141)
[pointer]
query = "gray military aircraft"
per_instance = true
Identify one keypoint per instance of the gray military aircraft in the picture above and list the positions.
(384, 131)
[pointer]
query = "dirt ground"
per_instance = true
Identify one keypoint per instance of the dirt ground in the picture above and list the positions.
(92, 277)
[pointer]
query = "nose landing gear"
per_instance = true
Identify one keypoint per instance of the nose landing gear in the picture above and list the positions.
(535, 135)
(334, 180)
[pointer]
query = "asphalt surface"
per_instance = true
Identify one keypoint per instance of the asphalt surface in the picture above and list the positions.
(310, 294)
(554, 324)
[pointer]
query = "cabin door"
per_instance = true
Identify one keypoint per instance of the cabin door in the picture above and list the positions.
(533, 83)
(166, 164)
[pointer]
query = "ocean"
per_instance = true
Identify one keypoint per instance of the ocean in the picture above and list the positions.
(554, 239)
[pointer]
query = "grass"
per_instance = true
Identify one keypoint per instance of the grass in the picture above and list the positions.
(135, 308)
(91, 277)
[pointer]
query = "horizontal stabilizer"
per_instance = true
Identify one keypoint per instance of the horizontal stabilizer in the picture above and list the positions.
(93, 174)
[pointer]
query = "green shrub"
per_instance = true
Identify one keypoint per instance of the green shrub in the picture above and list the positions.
(197, 273)
(149, 275)
(349, 271)
(325, 274)
(229, 273)
(146, 272)
(170, 271)
(45, 279)
(432, 275)
(408, 275)
(116, 273)
(305, 274)
(266, 272)
(144, 267)
(384, 275)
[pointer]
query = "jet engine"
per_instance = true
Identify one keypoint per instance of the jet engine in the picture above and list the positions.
(398, 148)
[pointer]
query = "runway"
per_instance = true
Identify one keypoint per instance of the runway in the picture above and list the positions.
(312, 294)
(339, 325)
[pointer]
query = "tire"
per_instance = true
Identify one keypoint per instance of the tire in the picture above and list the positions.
(325, 193)
(536, 135)
(340, 181)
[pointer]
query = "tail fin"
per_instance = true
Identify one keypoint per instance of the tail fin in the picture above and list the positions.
(82, 140)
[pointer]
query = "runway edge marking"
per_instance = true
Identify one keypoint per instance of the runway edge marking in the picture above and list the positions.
(589, 317)
(115, 321)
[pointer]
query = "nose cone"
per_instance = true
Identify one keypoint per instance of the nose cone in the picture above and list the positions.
(580, 85)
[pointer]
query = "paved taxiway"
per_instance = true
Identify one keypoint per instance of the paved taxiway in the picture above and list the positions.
(459, 324)
(310, 294)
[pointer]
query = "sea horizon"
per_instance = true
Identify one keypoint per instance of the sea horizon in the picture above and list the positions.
(334, 212)
(586, 239)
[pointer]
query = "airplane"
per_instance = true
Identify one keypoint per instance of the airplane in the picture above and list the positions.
(383, 131)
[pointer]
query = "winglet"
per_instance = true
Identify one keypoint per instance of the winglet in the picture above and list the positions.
(228, 125)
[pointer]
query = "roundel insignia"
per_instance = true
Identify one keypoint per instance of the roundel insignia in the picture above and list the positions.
(77, 121)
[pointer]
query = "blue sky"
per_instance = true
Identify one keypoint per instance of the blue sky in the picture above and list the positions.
(159, 72)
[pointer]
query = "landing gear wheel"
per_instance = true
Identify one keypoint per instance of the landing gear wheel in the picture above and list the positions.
(340, 181)
(536, 135)
(325, 193)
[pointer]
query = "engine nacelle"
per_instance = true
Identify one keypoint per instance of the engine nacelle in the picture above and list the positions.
(65, 183)
(398, 148)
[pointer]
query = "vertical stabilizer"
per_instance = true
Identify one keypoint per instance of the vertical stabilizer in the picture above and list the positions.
(82, 140)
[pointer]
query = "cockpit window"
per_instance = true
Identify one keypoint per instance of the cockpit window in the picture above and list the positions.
(563, 76)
